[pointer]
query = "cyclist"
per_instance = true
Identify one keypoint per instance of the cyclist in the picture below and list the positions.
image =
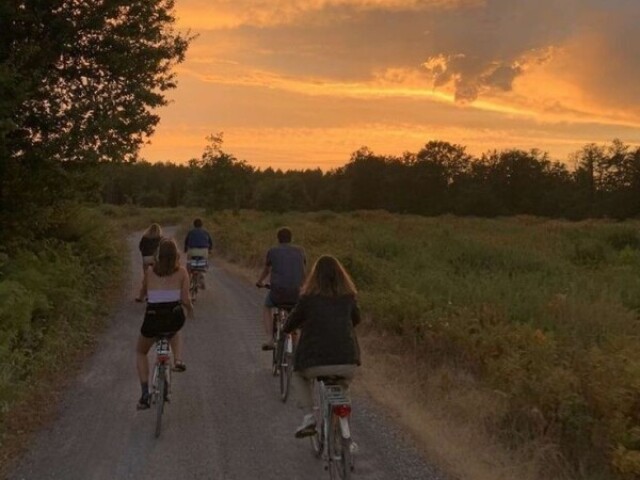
(166, 286)
(285, 265)
(326, 315)
(148, 247)
(197, 243)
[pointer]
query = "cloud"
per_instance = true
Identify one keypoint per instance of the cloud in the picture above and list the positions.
(516, 73)
(222, 14)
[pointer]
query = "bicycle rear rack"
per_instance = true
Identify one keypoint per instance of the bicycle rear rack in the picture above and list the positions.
(336, 395)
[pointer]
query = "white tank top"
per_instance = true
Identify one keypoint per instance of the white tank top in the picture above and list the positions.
(163, 296)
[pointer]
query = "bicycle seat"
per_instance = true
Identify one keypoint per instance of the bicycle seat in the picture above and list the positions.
(330, 379)
(161, 335)
(286, 306)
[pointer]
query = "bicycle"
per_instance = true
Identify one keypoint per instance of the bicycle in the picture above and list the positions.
(332, 441)
(161, 380)
(282, 354)
(197, 268)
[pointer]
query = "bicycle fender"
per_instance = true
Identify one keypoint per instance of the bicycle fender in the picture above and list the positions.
(345, 430)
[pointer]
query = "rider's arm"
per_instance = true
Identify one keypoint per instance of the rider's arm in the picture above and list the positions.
(145, 283)
(210, 242)
(186, 243)
(355, 314)
(264, 274)
(185, 298)
(266, 271)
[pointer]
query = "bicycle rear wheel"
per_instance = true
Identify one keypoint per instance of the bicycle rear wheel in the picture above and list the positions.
(193, 286)
(340, 460)
(276, 354)
(317, 440)
(160, 398)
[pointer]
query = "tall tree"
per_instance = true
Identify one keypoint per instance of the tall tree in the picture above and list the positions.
(79, 82)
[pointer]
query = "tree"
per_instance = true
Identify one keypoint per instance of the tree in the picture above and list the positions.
(219, 179)
(79, 82)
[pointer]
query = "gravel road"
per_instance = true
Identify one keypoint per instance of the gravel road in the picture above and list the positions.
(225, 420)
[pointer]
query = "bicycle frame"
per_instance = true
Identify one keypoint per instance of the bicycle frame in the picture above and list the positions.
(282, 360)
(197, 266)
(161, 380)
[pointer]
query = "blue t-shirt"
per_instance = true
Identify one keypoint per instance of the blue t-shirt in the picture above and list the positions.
(198, 238)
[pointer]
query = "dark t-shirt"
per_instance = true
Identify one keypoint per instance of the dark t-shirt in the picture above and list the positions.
(287, 264)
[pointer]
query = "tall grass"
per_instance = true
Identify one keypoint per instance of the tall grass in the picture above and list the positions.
(52, 297)
(545, 312)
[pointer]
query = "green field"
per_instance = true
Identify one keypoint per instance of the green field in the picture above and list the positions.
(544, 312)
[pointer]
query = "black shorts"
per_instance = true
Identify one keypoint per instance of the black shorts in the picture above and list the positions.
(162, 318)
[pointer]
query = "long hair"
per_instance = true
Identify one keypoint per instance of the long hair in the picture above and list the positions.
(168, 258)
(329, 278)
(154, 231)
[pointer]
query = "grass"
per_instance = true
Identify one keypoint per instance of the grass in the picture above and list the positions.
(541, 313)
(520, 330)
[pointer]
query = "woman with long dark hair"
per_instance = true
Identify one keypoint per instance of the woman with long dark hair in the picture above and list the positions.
(326, 315)
(166, 286)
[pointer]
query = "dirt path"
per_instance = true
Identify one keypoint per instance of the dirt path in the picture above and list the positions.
(225, 421)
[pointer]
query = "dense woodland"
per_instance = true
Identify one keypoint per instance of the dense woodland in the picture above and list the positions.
(603, 181)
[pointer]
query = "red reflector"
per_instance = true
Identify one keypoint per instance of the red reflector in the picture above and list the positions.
(342, 410)
(163, 358)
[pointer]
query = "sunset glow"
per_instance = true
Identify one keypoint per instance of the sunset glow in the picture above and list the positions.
(304, 83)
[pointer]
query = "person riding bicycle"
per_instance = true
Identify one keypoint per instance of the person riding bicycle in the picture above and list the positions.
(197, 243)
(326, 315)
(148, 247)
(285, 265)
(166, 286)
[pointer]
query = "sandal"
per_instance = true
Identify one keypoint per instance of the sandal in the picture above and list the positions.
(179, 366)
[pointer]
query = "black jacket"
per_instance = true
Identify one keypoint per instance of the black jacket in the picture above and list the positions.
(327, 334)
(148, 246)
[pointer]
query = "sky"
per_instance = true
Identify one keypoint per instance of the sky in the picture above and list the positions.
(296, 84)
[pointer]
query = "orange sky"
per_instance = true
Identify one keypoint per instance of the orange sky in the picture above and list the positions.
(304, 83)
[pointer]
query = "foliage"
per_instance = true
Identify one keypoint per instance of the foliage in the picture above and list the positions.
(543, 311)
(50, 297)
(79, 82)
(440, 178)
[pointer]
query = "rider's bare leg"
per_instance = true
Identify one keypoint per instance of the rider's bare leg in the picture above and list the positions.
(267, 320)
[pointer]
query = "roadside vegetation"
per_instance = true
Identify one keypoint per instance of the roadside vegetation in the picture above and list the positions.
(540, 315)
(55, 293)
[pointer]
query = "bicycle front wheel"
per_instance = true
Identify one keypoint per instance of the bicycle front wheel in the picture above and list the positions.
(277, 355)
(340, 460)
(160, 398)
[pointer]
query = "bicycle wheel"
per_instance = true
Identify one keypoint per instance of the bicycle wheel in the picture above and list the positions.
(193, 286)
(317, 440)
(160, 398)
(286, 370)
(340, 461)
(275, 353)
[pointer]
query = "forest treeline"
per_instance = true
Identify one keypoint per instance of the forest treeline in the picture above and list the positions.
(603, 181)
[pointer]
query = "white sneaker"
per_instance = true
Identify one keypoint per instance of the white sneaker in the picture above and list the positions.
(308, 426)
